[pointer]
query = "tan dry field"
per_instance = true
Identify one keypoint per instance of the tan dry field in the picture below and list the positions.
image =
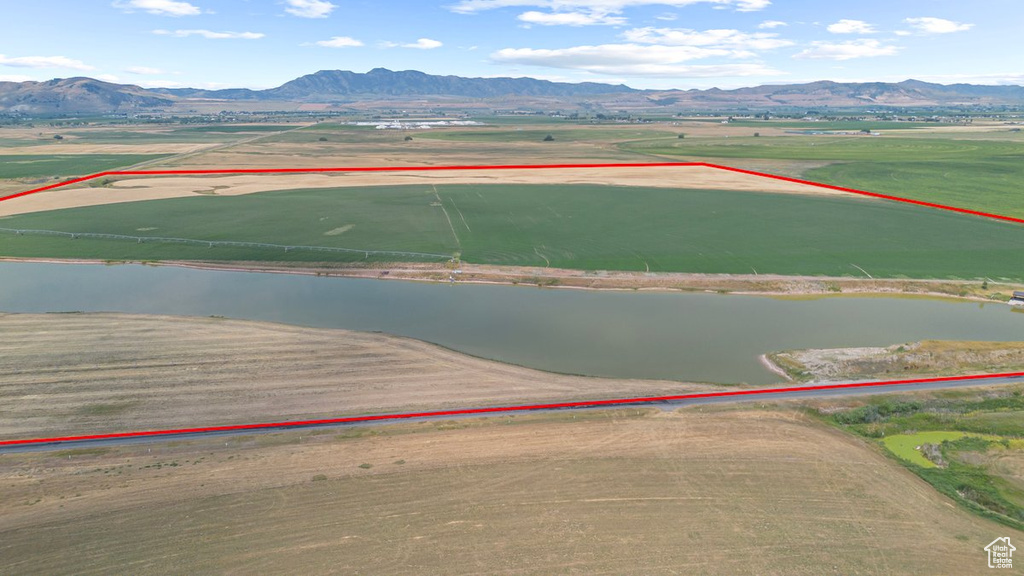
(130, 189)
(617, 492)
(76, 374)
(148, 148)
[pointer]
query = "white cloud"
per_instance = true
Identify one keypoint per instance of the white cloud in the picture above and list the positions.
(339, 42)
(1005, 79)
(846, 26)
(863, 48)
(725, 38)
(769, 24)
(44, 62)
(210, 34)
(606, 6)
(570, 18)
(159, 7)
(107, 77)
(15, 78)
(421, 44)
(937, 25)
(667, 17)
(309, 8)
(143, 70)
(631, 60)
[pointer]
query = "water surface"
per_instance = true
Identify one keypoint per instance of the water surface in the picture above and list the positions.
(678, 336)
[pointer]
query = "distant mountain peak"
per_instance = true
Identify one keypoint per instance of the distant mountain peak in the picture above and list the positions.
(88, 95)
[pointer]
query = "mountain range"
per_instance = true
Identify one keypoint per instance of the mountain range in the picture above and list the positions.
(340, 87)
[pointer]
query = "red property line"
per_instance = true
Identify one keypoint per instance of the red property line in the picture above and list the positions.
(513, 167)
(522, 408)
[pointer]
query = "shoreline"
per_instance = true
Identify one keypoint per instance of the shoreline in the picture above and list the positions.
(773, 367)
(769, 285)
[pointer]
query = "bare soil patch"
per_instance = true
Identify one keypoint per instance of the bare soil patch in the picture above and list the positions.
(736, 492)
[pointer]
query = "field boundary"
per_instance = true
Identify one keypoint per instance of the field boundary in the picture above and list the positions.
(511, 167)
(502, 409)
(499, 409)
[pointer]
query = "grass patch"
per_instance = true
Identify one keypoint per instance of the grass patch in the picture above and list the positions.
(958, 427)
(906, 445)
(104, 409)
(80, 452)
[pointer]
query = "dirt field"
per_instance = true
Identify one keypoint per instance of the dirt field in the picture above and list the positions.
(927, 358)
(619, 492)
(151, 188)
(83, 373)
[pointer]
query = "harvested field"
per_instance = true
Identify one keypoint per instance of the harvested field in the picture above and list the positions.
(91, 373)
(129, 189)
(624, 492)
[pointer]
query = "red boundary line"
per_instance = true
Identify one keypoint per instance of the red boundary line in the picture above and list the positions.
(513, 167)
(593, 403)
(494, 409)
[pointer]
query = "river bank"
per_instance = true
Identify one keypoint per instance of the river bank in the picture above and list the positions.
(747, 284)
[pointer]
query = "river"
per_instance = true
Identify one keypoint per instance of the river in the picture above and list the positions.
(677, 336)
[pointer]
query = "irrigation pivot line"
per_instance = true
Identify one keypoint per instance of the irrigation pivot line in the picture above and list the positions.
(212, 243)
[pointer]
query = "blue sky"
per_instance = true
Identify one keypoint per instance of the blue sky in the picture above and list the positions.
(642, 43)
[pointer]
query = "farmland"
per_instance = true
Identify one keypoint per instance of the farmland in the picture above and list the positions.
(943, 168)
(98, 373)
(581, 227)
(50, 165)
(627, 491)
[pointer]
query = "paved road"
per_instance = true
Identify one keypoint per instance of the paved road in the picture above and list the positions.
(824, 390)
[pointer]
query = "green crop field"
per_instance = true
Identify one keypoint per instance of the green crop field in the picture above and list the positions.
(983, 175)
(836, 148)
(584, 227)
(50, 165)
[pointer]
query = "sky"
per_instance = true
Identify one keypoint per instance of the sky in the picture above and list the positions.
(642, 43)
